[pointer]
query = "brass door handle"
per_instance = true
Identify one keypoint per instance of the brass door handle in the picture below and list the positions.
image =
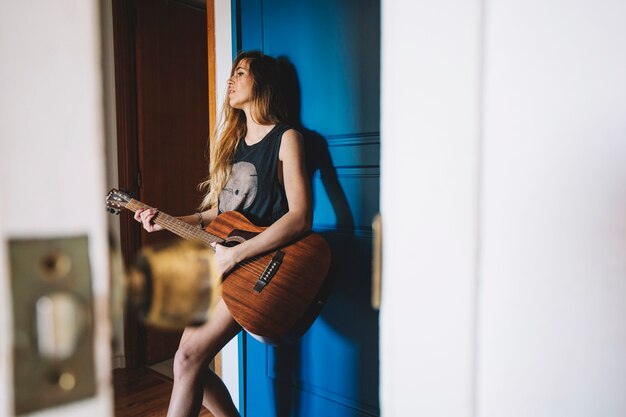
(174, 286)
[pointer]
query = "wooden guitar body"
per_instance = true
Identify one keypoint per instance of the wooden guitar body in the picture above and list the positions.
(275, 296)
(288, 303)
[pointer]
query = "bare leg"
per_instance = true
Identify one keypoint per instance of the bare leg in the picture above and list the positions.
(192, 378)
(216, 397)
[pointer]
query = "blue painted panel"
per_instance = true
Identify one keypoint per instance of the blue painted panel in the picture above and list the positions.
(333, 370)
(333, 47)
(355, 208)
(353, 150)
(251, 29)
(341, 369)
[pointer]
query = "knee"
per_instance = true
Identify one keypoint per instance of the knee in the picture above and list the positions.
(186, 363)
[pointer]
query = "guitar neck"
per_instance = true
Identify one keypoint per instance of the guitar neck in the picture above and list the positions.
(176, 226)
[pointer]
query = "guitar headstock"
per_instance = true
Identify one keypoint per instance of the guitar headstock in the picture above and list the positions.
(116, 200)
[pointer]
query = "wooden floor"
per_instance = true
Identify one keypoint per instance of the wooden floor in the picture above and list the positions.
(142, 393)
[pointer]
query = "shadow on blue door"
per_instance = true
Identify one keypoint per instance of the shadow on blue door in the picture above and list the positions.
(333, 370)
(332, 82)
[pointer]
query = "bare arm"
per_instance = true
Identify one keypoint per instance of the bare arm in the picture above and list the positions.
(294, 223)
(207, 217)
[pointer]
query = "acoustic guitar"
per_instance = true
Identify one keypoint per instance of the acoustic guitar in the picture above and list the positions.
(275, 296)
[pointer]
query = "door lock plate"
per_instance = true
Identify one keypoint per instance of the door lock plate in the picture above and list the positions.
(52, 322)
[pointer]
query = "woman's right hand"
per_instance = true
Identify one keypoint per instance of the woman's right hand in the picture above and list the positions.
(146, 218)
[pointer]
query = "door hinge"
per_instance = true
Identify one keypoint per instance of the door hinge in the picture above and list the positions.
(377, 261)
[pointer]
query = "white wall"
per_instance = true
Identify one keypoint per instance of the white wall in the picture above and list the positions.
(553, 275)
(52, 158)
(504, 287)
(223, 58)
(429, 198)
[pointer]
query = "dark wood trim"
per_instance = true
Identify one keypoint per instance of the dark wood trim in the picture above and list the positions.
(124, 19)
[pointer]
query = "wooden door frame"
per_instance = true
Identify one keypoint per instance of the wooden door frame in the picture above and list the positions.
(127, 155)
(124, 21)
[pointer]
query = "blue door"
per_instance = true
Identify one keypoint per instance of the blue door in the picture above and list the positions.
(333, 50)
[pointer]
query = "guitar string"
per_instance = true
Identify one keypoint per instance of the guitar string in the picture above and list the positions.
(203, 235)
(185, 229)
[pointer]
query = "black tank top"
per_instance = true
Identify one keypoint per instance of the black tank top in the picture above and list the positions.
(253, 188)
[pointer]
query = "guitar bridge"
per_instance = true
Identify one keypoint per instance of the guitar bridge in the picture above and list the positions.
(269, 272)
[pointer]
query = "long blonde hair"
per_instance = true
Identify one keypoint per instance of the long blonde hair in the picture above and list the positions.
(268, 108)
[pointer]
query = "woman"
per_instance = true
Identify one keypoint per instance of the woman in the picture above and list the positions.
(257, 168)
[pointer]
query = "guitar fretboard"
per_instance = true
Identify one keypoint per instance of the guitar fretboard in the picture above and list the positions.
(174, 225)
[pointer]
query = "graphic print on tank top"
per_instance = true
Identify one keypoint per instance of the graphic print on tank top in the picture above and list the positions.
(241, 188)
